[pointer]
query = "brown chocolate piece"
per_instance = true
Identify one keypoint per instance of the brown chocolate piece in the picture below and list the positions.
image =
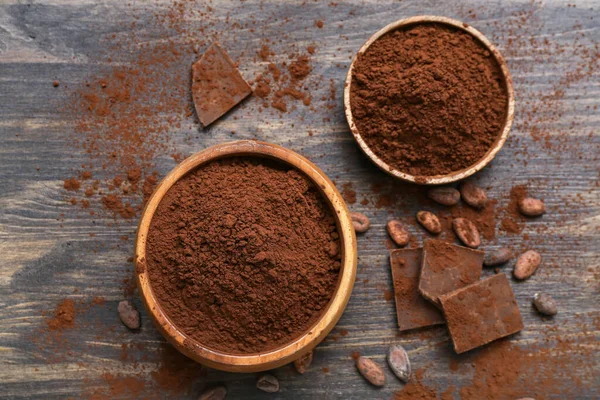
(481, 313)
(412, 309)
(447, 267)
(217, 85)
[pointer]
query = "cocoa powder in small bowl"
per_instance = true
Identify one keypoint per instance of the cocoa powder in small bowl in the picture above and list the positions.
(429, 99)
(246, 255)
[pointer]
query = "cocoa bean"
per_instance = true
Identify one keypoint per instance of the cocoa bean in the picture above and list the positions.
(544, 304)
(527, 264)
(303, 362)
(497, 257)
(268, 383)
(473, 195)
(398, 232)
(399, 362)
(531, 207)
(216, 393)
(360, 222)
(129, 315)
(370, 371)
(446, 196)
(467, 232)
(429, 221)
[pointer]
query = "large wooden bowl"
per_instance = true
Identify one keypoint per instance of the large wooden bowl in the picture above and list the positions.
(455, 175)
(201, 352)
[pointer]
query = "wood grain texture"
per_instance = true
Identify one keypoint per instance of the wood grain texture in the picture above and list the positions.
(47, 252)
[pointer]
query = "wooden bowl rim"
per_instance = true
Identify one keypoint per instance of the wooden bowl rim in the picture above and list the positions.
(455, 175)
(307, 341)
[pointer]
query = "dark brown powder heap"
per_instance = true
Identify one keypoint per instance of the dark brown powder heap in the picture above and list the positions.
(243, 255)
(428, 100)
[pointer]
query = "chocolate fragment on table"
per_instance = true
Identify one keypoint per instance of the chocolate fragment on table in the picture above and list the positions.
(481, 313)
(447, 267)
(217, 85)
(412, 309)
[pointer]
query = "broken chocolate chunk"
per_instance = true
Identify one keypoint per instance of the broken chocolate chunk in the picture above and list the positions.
(482, 312)
(412, 309)
(217, 85)
(447, 267)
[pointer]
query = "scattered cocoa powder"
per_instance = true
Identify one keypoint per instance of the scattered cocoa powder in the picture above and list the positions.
(513, 222)
(64, 316)
(348, 193)
(264, 53)
(299, 68)
(175, 372)
(72, 184)
(428, 99)
(120, 386)
(114, 203)
(416, 390)
(508, 370)
(243, 255)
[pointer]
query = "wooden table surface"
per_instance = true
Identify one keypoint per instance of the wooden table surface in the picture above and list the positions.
(47, 253)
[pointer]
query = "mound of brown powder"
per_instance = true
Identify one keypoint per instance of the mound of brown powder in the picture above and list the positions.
(243, 255)
(429, 99)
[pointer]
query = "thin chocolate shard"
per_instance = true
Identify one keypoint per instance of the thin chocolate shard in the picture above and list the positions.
(481, 313)
(217, 85)
(412, 309)
(447, 267)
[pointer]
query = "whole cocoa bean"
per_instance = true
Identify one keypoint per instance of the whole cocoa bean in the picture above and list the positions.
(371, 371)
(398, 232)
(268, 383)
(360, 222)
(216, 393)
(544, 304)
(497, 257)
(399, 362)
(467, 232)
(429, 221)
(129, 315)
(531, 207)
(446, 196)
(473, 195)
(527, 264)
(303, 362)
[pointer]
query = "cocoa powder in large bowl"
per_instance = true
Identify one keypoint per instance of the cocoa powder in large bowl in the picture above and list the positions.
(429, 99)
(245, 256)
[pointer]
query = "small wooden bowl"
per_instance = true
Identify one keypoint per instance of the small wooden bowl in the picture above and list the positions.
(455, 175)
(308, 340)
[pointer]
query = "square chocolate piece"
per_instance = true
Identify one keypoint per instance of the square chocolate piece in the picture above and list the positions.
(412, 309)
(217, 85)
(447, 267)
(481, 312)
